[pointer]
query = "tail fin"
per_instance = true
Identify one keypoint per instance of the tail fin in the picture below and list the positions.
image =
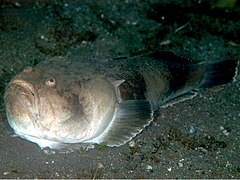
(219, 73)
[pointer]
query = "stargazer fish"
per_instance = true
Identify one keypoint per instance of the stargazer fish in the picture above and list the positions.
(64, 101)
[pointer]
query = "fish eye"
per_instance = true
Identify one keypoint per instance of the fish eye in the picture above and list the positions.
(51, 82)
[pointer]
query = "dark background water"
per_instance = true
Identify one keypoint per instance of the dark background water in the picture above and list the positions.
(198, 138)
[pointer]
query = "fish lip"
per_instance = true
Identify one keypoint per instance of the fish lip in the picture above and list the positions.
(34, 95)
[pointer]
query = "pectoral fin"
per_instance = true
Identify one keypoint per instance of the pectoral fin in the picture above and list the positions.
(130, 119)
(174, 100)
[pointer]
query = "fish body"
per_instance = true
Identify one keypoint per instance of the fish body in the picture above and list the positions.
(62, 101)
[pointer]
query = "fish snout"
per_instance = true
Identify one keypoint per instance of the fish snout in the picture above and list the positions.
(21, 96)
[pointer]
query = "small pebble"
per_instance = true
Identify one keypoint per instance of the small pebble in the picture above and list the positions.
(149, 168)
(132, 144)
(228, 164)
(134, 23)
(180, 164)
(192, 129)
(6, 173)
(225, 132)
(17, 4)
(165, 43)
(42, 37)
(221, 128)
(202, 149)
(100, 166)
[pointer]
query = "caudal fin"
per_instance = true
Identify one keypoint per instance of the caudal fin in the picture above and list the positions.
(219, 73)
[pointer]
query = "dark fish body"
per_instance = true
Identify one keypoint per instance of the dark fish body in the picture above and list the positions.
(109, 101)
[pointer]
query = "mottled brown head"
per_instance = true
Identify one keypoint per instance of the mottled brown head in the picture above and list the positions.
(38, 104)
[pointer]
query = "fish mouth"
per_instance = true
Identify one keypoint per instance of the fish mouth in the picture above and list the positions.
(25, 97)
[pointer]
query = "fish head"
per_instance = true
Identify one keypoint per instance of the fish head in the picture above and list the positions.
(40, 108)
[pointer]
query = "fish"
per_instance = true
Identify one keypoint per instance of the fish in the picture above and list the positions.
(64, 101)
